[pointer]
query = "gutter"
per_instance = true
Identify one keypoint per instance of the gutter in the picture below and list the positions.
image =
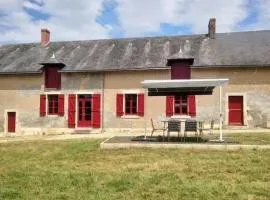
(20, 73)
(102, 122)
(228, 66)
(114, 70)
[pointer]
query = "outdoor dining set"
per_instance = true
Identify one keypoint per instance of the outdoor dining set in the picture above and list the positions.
(182, 127)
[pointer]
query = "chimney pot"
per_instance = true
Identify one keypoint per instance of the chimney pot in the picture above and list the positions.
(212, 28)
(45, 37)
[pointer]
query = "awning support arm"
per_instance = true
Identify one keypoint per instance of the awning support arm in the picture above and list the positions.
(145, 112)
(220, 115)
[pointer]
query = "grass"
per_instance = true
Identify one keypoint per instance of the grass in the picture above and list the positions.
(246, 138)
(80, 170)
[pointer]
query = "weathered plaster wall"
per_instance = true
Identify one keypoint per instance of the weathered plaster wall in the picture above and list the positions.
(119, 82)
(253, 83)
(81, 81)
(22, 94)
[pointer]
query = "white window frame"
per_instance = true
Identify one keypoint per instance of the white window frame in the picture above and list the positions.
(124, 92)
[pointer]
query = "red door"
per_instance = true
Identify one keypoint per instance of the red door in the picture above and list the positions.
(84, 110)
(11, 122)
(236, 110)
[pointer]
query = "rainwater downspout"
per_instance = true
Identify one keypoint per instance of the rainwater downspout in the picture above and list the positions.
(102, 120)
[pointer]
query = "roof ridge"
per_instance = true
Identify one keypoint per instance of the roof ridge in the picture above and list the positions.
(108, 39)
(135, 38)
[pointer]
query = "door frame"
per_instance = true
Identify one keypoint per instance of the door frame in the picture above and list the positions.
(77, 104)
(6, 121)
(244, 107)
(77, 109)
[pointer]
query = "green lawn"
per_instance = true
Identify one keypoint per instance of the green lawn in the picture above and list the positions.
(80, 170)
(245, 138)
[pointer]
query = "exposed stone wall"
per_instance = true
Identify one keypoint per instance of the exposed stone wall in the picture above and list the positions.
(252, 83)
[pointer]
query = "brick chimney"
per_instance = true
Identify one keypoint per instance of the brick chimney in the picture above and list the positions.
(45, 37)
(212, 28)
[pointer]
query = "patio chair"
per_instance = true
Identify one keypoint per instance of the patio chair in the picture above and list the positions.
(191, 126)
(209, 130)
(174, 126)
(154, 128)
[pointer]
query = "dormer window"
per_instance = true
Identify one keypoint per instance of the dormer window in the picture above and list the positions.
(52, 78)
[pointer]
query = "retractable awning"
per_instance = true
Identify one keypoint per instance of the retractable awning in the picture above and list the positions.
(188, 87)
(182, 87)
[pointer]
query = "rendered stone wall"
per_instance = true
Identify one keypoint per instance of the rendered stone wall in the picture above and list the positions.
(253, 83)
(121, 82)
(21, 94)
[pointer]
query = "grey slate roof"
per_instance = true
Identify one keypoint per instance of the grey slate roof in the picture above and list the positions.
(228, 49)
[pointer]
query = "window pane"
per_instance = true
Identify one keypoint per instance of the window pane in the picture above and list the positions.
(131, 104)
(127, 110)
(55, 110)
(180, 104)
(177, 110)
(134, 110)
(88, 96)
(52, 104)
(184, 110)
(88, 117)
(88, 104)
(88, 111)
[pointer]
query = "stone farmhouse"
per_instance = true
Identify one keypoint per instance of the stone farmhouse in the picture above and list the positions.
(95, 85)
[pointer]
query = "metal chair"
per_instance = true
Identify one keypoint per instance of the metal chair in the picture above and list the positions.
(154, 128)
(174, 126)
(210, 129)
(191, 126)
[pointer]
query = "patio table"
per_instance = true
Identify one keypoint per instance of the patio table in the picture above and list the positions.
(181, 120)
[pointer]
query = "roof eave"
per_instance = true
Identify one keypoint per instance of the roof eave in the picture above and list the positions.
(21, 73)
(114, 70)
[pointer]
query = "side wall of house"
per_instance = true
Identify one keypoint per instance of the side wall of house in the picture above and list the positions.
(252, 83)
(20, 94)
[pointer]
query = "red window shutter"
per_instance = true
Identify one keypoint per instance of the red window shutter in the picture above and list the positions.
(192, 105)
(180, 70)
(71, 110)
(52, 78)
(119, 105)
(42, 106)
(61, 103)
(169, 105)
(96, 111)
(141, 104)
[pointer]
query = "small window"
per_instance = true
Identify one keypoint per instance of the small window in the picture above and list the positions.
(53, 104)
(131, 104)
(180, 105)
(52, 78)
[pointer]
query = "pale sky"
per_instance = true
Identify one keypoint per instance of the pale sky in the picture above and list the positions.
(21, 20)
